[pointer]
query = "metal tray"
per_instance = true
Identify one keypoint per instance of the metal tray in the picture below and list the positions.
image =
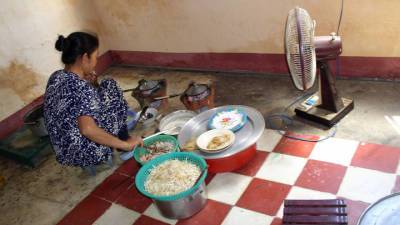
(245, 137)
(385, 211)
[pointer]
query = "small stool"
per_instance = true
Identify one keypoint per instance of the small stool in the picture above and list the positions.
(332, 212)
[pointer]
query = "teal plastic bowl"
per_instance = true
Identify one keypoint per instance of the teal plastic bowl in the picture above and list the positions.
(139, 151)
(144, 172)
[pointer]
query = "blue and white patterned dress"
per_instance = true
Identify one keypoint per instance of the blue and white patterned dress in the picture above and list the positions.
(67, 97)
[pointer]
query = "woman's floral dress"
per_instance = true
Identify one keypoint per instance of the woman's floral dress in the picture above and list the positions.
(67, 97)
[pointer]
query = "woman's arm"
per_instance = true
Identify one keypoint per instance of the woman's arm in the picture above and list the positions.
(89, 129)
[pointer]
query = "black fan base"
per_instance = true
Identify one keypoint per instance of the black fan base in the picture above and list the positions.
(323, 116)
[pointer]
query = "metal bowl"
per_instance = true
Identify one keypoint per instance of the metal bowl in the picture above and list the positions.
(176, 119)
(385, 211)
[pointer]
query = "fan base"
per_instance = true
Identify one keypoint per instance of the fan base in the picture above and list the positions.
(323, 116)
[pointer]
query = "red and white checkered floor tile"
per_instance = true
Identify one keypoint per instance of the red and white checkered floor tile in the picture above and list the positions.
(282, 169)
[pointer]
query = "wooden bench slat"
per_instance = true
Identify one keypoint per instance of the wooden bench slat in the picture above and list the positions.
(322, 203)
(315, 219)
(315, 211)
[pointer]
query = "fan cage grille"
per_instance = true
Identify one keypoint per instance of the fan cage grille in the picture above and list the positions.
(302, 68)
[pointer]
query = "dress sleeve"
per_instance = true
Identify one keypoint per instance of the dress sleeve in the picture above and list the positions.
(85, 102)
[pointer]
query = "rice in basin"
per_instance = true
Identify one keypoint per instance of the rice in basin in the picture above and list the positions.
(172, 177)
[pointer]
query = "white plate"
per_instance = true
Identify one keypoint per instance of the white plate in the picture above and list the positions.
(232, 119)
(204, 139)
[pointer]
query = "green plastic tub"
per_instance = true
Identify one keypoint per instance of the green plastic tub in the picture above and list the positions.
(139, 151)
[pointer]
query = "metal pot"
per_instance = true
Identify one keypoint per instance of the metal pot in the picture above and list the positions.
(147, 87)
(34, 120)
(198, 97)
(197, 92)
(148, 90)
(184, 207)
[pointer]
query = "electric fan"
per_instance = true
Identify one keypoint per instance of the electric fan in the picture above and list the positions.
(304, 54)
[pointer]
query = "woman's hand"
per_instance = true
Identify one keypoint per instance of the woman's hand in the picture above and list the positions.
(89, 129)
(132, 142)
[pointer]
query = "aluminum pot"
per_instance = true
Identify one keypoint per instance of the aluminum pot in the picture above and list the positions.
(34, 120)
(184, 207)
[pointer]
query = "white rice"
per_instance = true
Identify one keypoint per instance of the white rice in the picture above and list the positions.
(172, 177)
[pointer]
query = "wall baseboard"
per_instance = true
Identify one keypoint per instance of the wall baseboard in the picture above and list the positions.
(104, 62)
(387, 68)
(16, 120)
(224, 62)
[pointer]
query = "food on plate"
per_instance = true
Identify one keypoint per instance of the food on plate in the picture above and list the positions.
(231, 119)
(215, 141)
(172, 177)
(218, 141)
(190, 145)
(227, 121)
(156, 149)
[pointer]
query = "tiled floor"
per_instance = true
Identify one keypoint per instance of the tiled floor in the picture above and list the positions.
(44, 195)
(282, 169)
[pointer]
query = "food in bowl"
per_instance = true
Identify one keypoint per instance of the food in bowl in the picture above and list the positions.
(172, 177)
(218, 141)
(156, 149)
(215, 141)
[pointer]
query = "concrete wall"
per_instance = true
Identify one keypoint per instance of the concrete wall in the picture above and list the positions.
(369, 27)
(28, 30)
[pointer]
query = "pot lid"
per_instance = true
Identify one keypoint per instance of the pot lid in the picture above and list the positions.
(145, 85)
(196, 89)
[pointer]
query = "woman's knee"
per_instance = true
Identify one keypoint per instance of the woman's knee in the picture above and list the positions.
(109, 84)
(110, 88)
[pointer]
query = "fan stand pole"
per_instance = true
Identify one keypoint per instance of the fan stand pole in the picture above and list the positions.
(332, 108)
(329, 97)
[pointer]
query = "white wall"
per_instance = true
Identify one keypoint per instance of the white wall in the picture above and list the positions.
(28, 30)
(369, 27)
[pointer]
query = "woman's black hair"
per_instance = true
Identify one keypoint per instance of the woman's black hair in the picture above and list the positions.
(75, 45)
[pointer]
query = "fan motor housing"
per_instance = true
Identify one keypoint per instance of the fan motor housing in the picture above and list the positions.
(327, 47)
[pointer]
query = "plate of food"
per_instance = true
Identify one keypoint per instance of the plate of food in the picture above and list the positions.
(214, 141)
(232, 119)
(154, 147)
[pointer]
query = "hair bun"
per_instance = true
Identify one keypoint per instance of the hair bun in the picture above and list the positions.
(61, 43)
